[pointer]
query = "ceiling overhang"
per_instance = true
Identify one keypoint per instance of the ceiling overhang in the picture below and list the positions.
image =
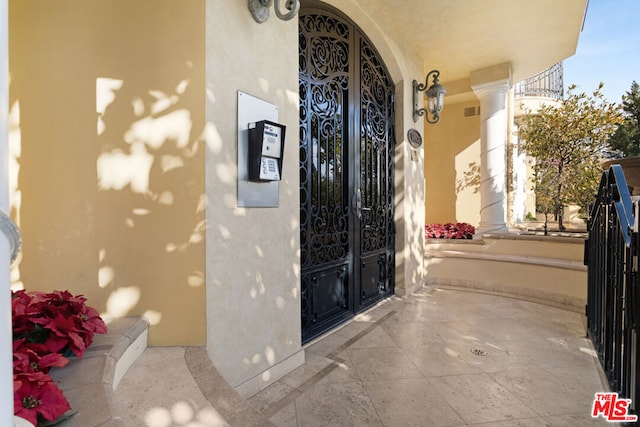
(459, 37)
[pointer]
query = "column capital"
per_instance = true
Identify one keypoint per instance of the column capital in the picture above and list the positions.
(498, 87)
(491, 74)
(491, 80)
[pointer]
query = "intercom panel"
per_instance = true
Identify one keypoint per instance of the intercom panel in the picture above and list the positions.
(254, 193)
(266, 143)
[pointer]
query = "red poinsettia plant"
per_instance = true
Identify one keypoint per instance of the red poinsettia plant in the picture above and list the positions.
(47, 329)
(459, 230)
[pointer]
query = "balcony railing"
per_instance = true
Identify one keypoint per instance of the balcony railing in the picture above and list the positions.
(548, 84)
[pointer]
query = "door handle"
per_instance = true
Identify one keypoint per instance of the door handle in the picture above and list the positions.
(357, 204)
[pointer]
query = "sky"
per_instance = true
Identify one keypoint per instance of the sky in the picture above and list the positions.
(608, 49)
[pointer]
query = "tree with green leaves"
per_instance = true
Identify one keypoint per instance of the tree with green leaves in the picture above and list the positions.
(545, 191)
(626, 140)
(568, 140)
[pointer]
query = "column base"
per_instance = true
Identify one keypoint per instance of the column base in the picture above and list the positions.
(492, 229)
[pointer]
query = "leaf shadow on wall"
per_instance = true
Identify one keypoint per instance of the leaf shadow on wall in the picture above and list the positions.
(150, 202)
(470, 179)
(111, 157)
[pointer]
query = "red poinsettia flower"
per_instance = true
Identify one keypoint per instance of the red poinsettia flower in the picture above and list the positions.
(19, 303)
(45, 325)
(34, 399)
(32, 357)
(24, 373)
(91, 320)
(40, 349)
(64, 302)
(23, 312)
(82, 321)
(459, 230)
(65, 332)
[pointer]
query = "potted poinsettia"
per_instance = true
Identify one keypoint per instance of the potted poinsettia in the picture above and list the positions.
(459, 230)
(47, 329)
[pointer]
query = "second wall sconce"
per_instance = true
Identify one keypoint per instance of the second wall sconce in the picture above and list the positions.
(260, 9)
(435, 98)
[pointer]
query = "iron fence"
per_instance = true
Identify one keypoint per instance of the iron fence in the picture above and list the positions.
(548, 83)
(613, 309)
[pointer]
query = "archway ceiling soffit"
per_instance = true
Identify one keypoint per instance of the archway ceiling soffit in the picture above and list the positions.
(460, 36)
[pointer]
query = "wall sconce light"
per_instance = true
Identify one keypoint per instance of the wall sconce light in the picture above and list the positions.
(435, 98)
(260, 9)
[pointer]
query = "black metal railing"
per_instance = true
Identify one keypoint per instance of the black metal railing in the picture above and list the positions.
(611, 256)
(548, 83)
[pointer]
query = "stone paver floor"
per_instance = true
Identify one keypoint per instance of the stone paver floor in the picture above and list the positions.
(438, 358)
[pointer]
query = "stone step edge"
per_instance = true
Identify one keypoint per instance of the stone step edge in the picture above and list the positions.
(89, 383)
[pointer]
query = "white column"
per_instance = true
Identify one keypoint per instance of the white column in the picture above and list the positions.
(493, 160)
(6, 348)
(520, 183)
(519, 179)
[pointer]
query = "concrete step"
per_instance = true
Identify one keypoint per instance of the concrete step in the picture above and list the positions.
(89, 383)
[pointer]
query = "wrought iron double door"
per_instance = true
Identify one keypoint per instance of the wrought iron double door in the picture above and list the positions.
(346, 171)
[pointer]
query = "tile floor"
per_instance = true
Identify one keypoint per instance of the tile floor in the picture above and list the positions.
(408, 362)
(158, 390)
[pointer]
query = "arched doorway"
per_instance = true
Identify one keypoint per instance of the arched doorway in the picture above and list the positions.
(346, 170)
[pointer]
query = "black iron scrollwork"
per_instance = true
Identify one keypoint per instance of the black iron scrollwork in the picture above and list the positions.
(324, 85)
(376, 152)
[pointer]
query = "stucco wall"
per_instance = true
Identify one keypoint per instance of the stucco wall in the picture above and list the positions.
(543, 269)
(107, 116)
(452, 165)
(253, 256)
(253, 259)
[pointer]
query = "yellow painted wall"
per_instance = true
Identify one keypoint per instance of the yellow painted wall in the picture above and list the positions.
(107, 107)
(452, 166)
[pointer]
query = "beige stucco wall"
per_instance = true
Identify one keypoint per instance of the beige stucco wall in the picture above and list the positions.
(253, 255)
(452, 165)
(253, 258)
(543, 269)
(107, 116)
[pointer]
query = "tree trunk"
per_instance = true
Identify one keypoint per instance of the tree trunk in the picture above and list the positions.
(558, 202)
(546, 223)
